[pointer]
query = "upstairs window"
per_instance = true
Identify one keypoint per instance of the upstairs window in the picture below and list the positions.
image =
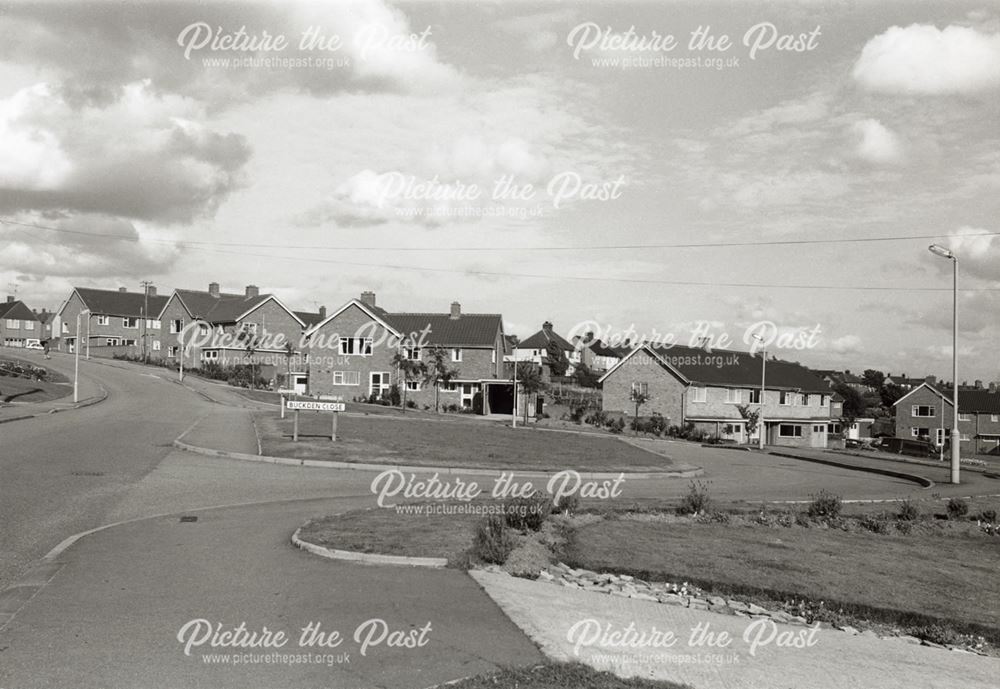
(699, 394)
(923, 410)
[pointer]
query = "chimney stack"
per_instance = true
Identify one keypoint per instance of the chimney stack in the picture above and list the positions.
(931, 379)
(123, 290)
(252, 291)
(213, 289)
(979, 385)
(10, 299)
(547, 326)
(993, 387)
(322, 313)
(151, 290)
(368, 298)
(456, 310)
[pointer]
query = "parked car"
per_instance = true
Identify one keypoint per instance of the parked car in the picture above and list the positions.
(34, 344)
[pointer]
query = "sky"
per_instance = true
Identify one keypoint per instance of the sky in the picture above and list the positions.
(547, 161)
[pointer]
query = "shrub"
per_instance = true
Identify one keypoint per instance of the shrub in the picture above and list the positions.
(825, 505)
(936, 634)
(616, 425)
(410, 404)
(876, 523)
(528, 514)
(908, 511)
(477, 403)
(657, 424)
(597, 418)
(697, 500)
(567, 504)
(989, 516)
(395, 399)
(576, 413)
(493, 541)
(957, 508)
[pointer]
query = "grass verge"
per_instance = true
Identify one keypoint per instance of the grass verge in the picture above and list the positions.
(559, 676)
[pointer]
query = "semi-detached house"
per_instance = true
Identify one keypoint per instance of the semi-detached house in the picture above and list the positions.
(351, 354)
(224, 323)
(18, 324)
(708, 388)
(119, 321)
(926, 413)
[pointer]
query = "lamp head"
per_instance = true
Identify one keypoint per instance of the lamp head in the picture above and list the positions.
(940, 251)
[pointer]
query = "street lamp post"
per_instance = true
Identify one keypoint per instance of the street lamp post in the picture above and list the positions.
(762, 428)
(76, 355)
(956, 435)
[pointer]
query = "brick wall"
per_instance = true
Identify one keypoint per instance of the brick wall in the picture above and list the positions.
(665, 390)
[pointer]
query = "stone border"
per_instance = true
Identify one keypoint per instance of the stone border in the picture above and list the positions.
(366, 558)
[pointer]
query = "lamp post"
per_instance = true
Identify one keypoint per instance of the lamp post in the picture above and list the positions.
(76, 355)
(763, 370)
(956, 435)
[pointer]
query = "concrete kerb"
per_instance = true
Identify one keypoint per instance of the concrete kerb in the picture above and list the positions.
(924, 482)
(366, 558)
(55, 410)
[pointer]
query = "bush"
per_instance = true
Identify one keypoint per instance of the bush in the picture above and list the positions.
(657, 424)
(876, 523)
(957, 508)
(576, 413)
(410, 404)
(567, 504)
(477, 403)
(597, 418)
(395, 399)
(528, 514)
(493, 541)
(825, 505)
(616, 425)
(908, 512)
(989, 516)
(697, 500)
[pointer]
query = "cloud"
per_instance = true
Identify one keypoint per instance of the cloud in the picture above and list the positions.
(978, 253)
(798, 111)
(90, 246)
(142, 155)
(922, 59)
(876, 143)
(846, 344)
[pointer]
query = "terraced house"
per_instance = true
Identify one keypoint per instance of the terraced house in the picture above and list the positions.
(351, 354)
(227, 322)
(19, 325)
(708, 389)
(112, 321)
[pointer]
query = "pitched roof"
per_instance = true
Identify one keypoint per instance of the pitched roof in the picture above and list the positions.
(224, 308)
(117, 303)
(468, 330)
(978, 401)
(310, 318)
(541, 339)
(736, 369)
(17, 310)
(601, 349)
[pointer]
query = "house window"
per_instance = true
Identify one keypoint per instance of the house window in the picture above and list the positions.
(965, 417)
(734, 396)
(785, 398)
(346, 378)
(13, 323)
(493, 356)
(994, 418)
(176, 326)
(151, 324)
(356, 346)
(789, 430)
(920, 432)
(822, 400)
(378, 383)
(172, 351)
(922, 410)
(835, 428)
(411, 353)
(244, 328)
(699, 394)
(964, 437)
(450, 386)
(640, 389)
(103, 319)
(820, 428)
(754, 396)
(29, 325)
(413, 385)
(65, 328)
(111, 342)
(210, 355)
(156, 345)
(130, 322)
(456, 354)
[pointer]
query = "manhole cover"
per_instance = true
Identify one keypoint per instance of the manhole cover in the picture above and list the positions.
(88, 473)
(189, 518)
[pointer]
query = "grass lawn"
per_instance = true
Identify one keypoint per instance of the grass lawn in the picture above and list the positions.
(559, 676)
(24, 390)
(452, 443)
(946, 575)
(386, 532)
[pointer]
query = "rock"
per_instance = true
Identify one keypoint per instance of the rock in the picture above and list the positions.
(909, 639)
(671, 599)
(779, 616)
(697, 603)
(626, 577)
(756, 609)
(717, 601)
(796, 619)
(849, 629)
(570, 584)
(645, 596)
(925, 642)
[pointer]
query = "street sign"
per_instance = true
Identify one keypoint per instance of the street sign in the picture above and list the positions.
(307, 405)
(283, 391)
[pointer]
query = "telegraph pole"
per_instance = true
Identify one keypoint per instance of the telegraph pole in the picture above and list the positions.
(146, 284)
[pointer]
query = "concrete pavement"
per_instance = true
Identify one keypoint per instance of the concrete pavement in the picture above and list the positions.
(593, 628)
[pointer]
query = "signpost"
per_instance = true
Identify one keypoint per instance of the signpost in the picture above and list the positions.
(310, 405)
(284, 393)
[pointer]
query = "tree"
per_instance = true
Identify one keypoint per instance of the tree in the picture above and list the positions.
(530, 379)
(638, 398)
(289, 350)
(556, 358)
(890, 394)
(250, 345)
(854, 403)
(409, 369)
(584, 377)
(752, 417)
(438, 373)
(873, 379)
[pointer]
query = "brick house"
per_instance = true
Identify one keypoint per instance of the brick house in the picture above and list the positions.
(594, 354)
(225, 320)
(926, 413)
(535, 348)
(18, 324)
(351, 354)
(691, 385)
(119, 321)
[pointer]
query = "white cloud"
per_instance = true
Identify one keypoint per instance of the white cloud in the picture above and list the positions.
(978, 253)
(142, 155)
(922, 59)
(847, 344)
(877, 143)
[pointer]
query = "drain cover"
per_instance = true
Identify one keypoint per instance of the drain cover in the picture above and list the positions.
(88, 473)
(189, 518)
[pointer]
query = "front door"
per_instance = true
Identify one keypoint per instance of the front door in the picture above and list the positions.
(939, 437)
(299, 383)
(378, 383)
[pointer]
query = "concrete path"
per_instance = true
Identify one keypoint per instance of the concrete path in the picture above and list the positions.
(575, 625)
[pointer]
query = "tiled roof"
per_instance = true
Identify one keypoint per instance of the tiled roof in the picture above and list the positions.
(116, 303)
(740, 369)
(310, 318)
(16, 310)
(978, 402)
(541, 339)
(225, 308)
(468, 330)
(601, 349)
